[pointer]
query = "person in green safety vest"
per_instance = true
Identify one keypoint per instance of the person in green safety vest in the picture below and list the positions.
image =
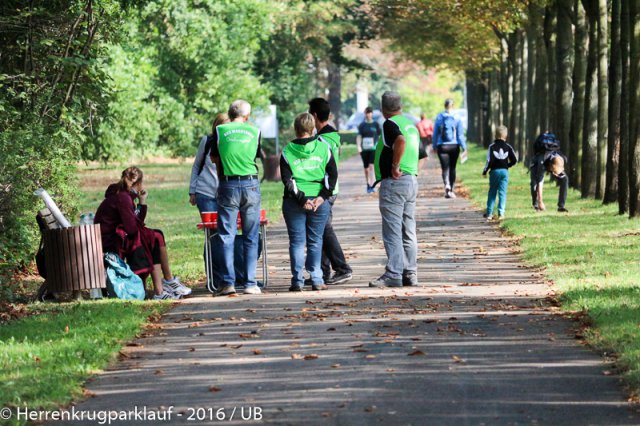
(332, 254)
(234, 148)
(309, 173)
(397, 169)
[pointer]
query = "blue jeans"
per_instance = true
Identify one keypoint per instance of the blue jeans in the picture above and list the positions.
(397, 203)
(208, 204)
(239, 196)
(498, 183)
(305, 227)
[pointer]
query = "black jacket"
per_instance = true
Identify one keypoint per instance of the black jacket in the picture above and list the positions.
(500, 156)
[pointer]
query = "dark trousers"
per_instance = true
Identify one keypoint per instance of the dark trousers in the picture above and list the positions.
(332, 254)
(537, 171)
(448, 155)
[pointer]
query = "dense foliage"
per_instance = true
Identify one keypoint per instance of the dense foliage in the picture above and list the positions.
(115, 80)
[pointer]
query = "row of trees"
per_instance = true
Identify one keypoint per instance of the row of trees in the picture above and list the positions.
(108, 80)
(568, 66)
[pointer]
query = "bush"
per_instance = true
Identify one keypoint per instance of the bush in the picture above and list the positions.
(32, 156)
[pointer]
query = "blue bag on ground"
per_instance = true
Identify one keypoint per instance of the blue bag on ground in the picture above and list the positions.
(121, 281)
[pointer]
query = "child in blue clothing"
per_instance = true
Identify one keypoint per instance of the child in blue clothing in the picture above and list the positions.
(500, 158)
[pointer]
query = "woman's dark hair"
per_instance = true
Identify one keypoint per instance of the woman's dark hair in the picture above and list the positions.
(320, 107)
(133, 173)
(368, 110)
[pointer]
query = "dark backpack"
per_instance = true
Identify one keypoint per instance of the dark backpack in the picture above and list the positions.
(546, 142)
(448, 128)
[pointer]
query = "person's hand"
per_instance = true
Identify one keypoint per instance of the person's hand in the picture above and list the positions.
(142, 196)
(317, 202)
(395, 171)
(484, 174)
(308, 205)
(192, 199)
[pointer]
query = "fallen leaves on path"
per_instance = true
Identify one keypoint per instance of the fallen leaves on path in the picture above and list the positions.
(214, 389)
(417, 352)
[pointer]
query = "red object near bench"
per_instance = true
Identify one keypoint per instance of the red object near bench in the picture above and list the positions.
(210, 225)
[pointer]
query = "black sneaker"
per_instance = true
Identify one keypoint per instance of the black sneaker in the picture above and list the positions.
(295, 288)
(318, 287)
(563, 210)
(339, 278)
(410, 280)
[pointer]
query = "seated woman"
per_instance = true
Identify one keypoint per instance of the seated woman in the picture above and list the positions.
(124, 232)
(309, 174)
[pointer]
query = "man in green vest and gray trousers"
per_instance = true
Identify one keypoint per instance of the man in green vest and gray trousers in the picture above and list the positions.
(397, 170)
(234, 148)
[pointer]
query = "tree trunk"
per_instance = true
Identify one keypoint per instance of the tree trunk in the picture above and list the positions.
(473, 108)
(514, 80)
(590, 126)
(533, 30)
(494, 107)
(505, 87)
(578, 83)
(613, 139)
(634, 121)
(550, 43)
(564, 70)
(603, 94)
(335, 89)
(524, 65)
(623, 168)
(541, 83)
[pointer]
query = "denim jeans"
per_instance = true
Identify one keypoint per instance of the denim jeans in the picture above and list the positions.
(397, 203)
(239, 196)
(305, 227)
(498, 183)
(209, 204)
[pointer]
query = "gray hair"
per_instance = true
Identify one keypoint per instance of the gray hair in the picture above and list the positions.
(391, 101)
(501, 133)
(239, 108)
(448, 103)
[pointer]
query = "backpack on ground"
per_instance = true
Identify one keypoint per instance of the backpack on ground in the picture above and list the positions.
(121, 281)
(448, 128)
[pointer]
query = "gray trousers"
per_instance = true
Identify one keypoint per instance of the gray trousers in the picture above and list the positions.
(398, 209)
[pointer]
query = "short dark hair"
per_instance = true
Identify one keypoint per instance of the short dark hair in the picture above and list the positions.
(448, 103)
(368, 110)
(320, 107)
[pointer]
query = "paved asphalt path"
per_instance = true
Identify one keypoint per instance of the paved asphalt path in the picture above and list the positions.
(477, 343)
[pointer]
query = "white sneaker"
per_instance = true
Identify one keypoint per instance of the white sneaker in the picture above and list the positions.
(165, 295)
(252, 290)
(175, 286)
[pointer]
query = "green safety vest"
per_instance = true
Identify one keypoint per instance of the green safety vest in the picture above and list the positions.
(409, 161)
(238, 145)
(333, 140)
(308, 163)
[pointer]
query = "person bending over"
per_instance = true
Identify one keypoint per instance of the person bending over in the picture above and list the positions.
(548, 158)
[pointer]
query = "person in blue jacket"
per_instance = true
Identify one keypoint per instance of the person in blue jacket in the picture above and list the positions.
(448, 141)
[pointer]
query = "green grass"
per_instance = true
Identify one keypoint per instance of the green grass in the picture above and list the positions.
(45, 358)
(591, 254)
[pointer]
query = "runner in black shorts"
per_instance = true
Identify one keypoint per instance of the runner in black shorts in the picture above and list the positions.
(368, 135)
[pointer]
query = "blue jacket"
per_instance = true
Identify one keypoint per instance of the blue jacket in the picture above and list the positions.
(460, 140)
